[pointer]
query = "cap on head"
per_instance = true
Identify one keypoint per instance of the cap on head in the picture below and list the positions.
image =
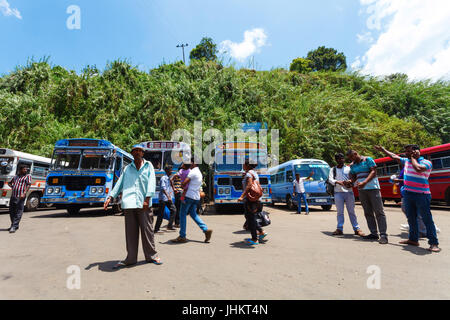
(137, 146)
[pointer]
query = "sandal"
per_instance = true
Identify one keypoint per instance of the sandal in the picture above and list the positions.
(262, 236)
(251, 242)
(434, 248)
(157, 261)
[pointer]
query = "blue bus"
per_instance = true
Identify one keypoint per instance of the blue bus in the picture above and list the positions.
(162, 153)
(83, 173)
(283, 175)
(228, 173)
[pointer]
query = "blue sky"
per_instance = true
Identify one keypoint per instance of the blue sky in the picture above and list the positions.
(146, 32)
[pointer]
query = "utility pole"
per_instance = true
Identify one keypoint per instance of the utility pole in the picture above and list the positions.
(182, 47)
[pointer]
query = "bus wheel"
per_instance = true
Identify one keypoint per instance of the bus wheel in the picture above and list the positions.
(33, 202)
(290, 203)
(447, 196)
(326, 207)
(73, 210)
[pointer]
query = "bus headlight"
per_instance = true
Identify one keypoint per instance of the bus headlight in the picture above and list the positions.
(50, 190)
(57, 190)
(227, 191)
(265, 190)
(100, 190)
(94, 190)
(220, 191)
(308, 195)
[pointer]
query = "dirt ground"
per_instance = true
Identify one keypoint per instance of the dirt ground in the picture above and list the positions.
(300, 260)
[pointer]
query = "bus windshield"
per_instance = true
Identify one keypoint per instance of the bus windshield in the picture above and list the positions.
(66, 159)
(96, 159)
(321, 171)
(176, 162)
(6, 165)
(155, 157)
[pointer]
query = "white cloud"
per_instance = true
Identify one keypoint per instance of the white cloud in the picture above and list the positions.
(413, 38)
(6, 10)
(253, 40)
(365, 37)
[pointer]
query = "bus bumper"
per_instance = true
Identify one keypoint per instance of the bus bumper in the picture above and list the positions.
(90, 200)
(4, 202)
(231, 201)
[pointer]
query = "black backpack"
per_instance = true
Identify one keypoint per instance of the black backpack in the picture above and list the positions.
(329, 186)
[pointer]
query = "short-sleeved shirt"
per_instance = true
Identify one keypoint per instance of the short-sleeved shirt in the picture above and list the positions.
(183, 173)
(164, 184)
(20, 184)
(299, 186)
(362, 171)
(416, 181)
(195, 183)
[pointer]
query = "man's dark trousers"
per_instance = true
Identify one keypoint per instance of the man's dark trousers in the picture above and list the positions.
(16, 206)
(162, 207)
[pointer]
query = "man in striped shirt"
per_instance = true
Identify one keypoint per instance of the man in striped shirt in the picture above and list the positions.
(20, 185)
(417, 195)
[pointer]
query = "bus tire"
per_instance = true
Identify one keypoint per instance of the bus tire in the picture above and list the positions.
(73, 210)
(447, 196)
(326, 207)
(33, 201)
(290, 203)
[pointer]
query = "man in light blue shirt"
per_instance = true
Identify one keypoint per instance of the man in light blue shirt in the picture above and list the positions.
(137, 185)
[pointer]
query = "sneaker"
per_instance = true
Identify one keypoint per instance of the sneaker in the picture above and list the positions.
(159, 232)
(338, 232)
(179, 240)
(208, 234)
(12, 230)
(371, 237)
(404, 227)
(438, 230)
(171, 229)
(383, 240)
(359, 233)
(177, 226)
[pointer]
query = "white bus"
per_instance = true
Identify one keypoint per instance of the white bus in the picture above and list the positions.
(38, 167)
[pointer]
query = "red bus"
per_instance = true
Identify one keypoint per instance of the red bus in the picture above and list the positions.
(439, 179)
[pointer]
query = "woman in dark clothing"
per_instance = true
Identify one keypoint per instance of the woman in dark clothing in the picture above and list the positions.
(251, 208)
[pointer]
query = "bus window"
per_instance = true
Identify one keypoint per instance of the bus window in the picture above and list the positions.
(126, 162)
(273, 179)
(237, 183)
(437, 163)
(118, 165)
(67, 159)
(263, 181)
(393, 169)
(320, 171)
(6, 165)
(289, 177)
(155, 157)
(173, 162)
(40, 169)
(380, 171)
(23, 163)
(446, 162)
(96, 159)
(280, 177)
(223, 181)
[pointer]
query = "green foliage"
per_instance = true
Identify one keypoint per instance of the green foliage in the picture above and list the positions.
(317, 114)
(206, 49)
(301, 65)
(327, 59)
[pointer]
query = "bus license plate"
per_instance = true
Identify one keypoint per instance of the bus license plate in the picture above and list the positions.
(321, 200)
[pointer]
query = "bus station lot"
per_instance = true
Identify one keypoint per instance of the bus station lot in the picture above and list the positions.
(300, 260)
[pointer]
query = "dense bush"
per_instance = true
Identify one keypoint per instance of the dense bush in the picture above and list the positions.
(317, 113)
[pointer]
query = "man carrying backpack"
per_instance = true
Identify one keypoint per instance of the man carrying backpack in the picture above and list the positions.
(343, 195)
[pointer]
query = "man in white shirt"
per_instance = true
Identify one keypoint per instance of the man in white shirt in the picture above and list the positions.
(299, 192)
(343, 195)
(191, 202)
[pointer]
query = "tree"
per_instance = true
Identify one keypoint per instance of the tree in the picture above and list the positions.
(327, 59)
(301, 65)
(206, 49)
